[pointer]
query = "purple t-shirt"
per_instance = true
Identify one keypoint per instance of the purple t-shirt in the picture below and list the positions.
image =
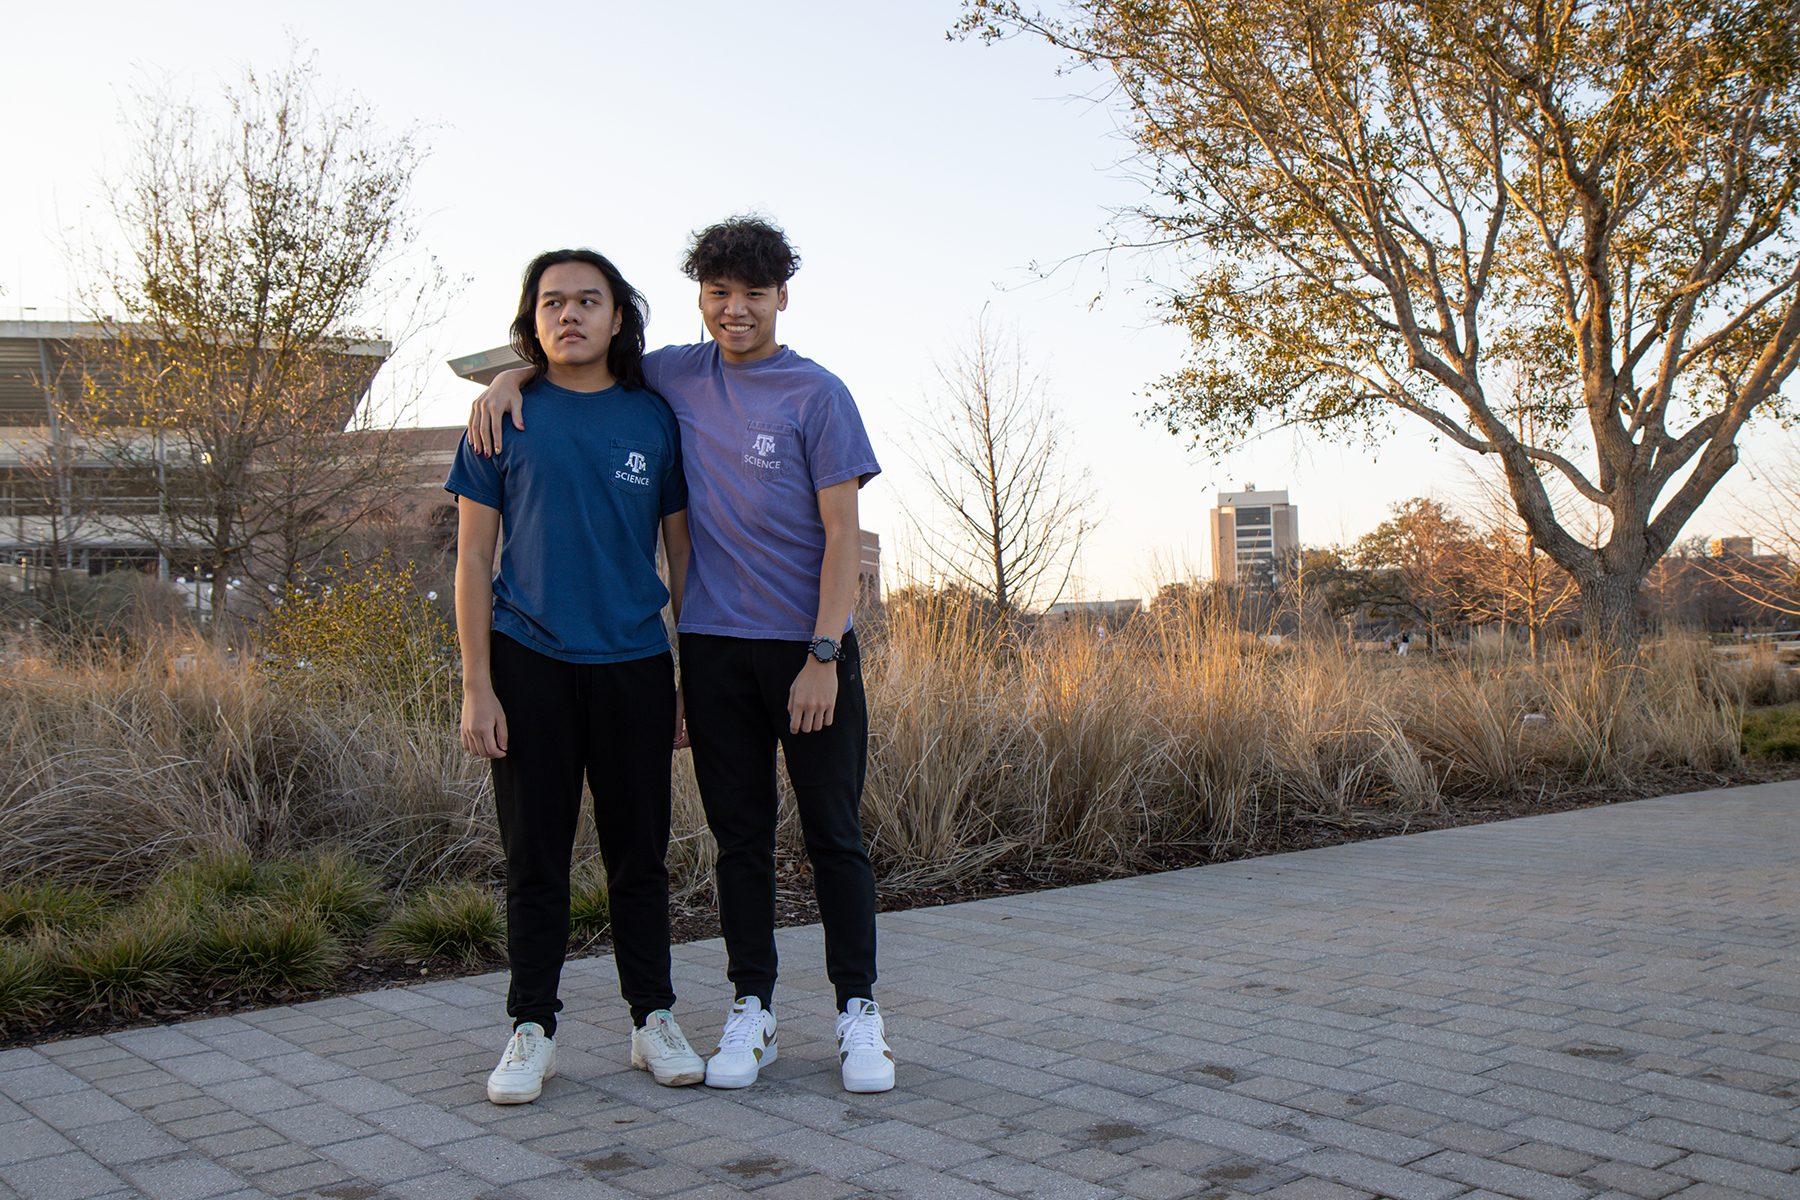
(758, 442)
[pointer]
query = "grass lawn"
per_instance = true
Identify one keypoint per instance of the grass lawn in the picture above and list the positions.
(1773, 734)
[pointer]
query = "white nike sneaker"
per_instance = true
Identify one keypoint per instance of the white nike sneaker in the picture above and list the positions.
(530, 1059)
(745, 1047)
(863, 1053)
(660, 1049)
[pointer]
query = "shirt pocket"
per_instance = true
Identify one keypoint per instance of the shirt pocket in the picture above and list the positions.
(635, 468)
(771, 451)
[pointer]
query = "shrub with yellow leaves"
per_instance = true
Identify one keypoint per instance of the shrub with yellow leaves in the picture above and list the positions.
(365, 626)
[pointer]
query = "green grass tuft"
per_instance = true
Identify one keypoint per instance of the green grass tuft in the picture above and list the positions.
(589, 908)
(214, 923)
(51, 905)
(343, 891)
(25, 989)
(1773, 734)
(211, 876)
(458, 921)
(265, 946)
(137, 958)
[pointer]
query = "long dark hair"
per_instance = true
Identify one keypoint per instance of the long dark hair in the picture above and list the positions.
(625, 357)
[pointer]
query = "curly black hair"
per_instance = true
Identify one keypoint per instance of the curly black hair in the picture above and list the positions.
(748, 249)
(624, 357)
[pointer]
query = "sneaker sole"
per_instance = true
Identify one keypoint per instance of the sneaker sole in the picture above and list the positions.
(864, 1086)
(495, 1097)
(678, 1079)
(724, 1082)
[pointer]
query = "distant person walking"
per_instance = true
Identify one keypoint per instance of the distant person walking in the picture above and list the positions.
(566, 664)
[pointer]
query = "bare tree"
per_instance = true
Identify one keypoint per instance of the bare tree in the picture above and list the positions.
(1770, 581)
(263, 242)
(1517, 584)
(1319, 585)
(1380, 199)
(51, 502)
(991, 451)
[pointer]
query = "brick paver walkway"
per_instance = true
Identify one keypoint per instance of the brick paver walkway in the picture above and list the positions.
(1596, 1003)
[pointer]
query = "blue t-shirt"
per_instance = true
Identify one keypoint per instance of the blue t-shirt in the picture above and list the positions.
(581, 494)
(758, 442)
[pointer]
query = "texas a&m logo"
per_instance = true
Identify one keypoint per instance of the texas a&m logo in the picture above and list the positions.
(761, 456)
(635, 471)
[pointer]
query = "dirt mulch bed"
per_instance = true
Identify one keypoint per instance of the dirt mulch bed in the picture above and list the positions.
(696, 920)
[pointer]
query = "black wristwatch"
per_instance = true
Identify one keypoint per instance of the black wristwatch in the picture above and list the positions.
(825, 649)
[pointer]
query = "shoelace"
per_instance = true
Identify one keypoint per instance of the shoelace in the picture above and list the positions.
(520, 1048)
(742, 1029)
(665, 1033)
(863, 1031)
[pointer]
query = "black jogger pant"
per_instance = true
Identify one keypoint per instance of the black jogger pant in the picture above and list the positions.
(736, 694)
(615, 724)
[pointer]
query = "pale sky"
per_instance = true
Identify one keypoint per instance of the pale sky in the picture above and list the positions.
(921, 179)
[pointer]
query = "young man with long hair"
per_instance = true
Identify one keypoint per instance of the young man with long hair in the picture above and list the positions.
(567, 671)
(775, 451)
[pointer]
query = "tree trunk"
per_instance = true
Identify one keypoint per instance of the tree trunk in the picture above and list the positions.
(1609, 610)
(1533, 617)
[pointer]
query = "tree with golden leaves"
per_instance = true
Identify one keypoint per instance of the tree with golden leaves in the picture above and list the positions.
(1383, 202)
(1420, 566)
(263, 240)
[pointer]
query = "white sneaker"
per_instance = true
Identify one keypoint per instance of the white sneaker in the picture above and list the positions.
(660, 1049)
(530, 1059)
(745, 1047)
(867, 1062)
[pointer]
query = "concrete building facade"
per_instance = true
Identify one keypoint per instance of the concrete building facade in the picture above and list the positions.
(1251, 531)
(60, 499)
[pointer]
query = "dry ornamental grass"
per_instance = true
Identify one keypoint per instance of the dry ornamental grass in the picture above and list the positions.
(181, 773)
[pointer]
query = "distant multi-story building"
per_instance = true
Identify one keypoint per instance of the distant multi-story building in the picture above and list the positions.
(1251, 530)
(65, 505)
(1733, 547)
(868, 571)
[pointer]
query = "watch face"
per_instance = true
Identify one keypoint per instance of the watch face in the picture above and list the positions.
(825, 650)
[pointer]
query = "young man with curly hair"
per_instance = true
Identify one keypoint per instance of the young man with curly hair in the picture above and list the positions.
(774, 451)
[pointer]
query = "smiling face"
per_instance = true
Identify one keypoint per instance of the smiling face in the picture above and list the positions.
(741, 317)
(576, 320)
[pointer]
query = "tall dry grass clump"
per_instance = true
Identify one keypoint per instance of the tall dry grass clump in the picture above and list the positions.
(1184, 732)
(944, 734)
(1179, 735)
(113, 763)
(1063, 745)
